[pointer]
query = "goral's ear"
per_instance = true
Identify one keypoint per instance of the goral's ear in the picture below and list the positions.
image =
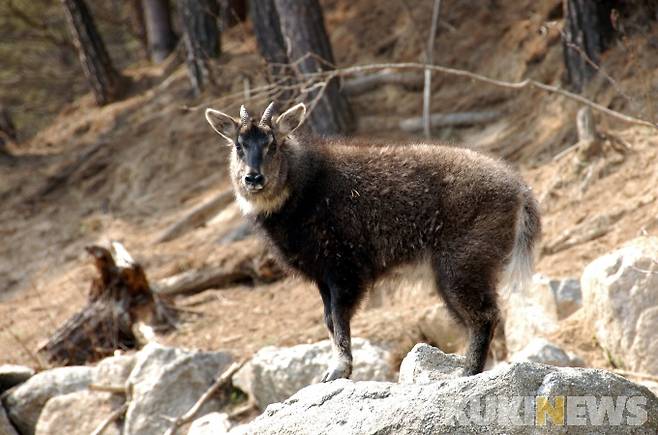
(224, 125)
(289, 121)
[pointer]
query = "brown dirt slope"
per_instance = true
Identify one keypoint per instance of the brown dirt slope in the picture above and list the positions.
(134, 167)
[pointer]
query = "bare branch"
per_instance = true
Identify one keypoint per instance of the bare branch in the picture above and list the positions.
(220, 382)
(427, 91)
(325, 76)
(118, 413)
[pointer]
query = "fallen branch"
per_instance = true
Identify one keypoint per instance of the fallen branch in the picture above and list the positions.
(115, 389)
(592, 228)
(197, 216)
(220, 382)
(249, 261)
(449, 120)
(118, 413)
(366, 83)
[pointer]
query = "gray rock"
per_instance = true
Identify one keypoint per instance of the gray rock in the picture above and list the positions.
(620, 297)
(529, 313)
(6, 428)
(437, 324)
(568, 296)
(502, 400)
(24, 404)
(543, 351)
(114, 370)
(276, 373)
(12, 375)
(425, 364)
(215, 423)
(79, 413)
(166, 382)
(651, 385)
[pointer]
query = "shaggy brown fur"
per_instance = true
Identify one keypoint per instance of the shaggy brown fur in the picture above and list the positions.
(343, 213)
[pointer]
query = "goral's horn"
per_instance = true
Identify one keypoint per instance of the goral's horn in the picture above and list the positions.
(266, 119)
(244, 115)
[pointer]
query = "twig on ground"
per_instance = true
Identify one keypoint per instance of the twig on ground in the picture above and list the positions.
(189, 415)
(118, 413)
(117, 389)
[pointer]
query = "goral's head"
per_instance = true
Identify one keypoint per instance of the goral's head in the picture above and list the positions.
(258, 159)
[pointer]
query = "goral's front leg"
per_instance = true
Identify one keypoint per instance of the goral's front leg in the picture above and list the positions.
(337, 318)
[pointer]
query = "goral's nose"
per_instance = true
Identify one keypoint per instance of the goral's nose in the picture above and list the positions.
(253, 179)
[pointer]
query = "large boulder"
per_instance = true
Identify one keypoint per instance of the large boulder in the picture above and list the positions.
(6, 428)
(620, 294)
(166, 382)
(12, 375)
(568, 296)
(439, 326)
(114, 370)
(426, 364)
(529, 313)
(517, 398)
(276, 373)
(24, 404)
(543, 351)
(79, 413)
(215, 423)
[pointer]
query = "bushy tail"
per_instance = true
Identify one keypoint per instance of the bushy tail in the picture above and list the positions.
(520, 265)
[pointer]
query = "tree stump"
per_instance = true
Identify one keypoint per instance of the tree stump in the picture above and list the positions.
(120, 299)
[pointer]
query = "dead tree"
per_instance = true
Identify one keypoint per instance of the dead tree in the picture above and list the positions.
(272, 48)
(120, 299)
(201, 35)
(303, 30)
(588, 32)
(159, 32)
(106, 82)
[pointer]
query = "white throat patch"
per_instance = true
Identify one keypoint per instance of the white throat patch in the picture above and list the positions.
(261, 205)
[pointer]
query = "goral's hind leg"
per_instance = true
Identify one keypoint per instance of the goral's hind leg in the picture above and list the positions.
(469, 292)
(339, 305)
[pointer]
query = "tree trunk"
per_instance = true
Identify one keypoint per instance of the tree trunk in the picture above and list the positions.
(7, 130)
(106, 83)
(233, 12)
(201, 35)
(587, 33)
(138, 25)
(272, 48)
(302, 27)
(159, 33)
